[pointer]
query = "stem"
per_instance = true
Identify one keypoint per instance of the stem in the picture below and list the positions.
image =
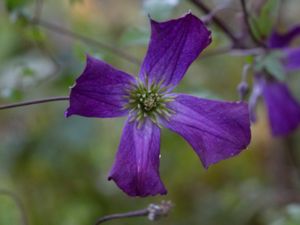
(138, 213)
(247, 22)
(38, 9)
(33, 102)
(69, 33)
(218, 22)
(24, 219)
(153, 212)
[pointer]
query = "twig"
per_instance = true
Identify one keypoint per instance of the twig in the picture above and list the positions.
(153, 212)
(217, 52)
(33, 102)
(69, 33)
(218, 22)
(38, 9)
(247, 22)
(24, 219)
(138, 213)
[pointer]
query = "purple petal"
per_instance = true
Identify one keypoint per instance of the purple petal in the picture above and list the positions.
(99, 91)
(278, 40)
(291, 59)
(216, 130)
(136, 168)
(174, 45)
(283, 109)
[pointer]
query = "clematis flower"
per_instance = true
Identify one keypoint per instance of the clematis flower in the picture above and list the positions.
(283, 109)
(216, 130)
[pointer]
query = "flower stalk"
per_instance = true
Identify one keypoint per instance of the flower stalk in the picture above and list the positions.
(34, 102)
(153, 212)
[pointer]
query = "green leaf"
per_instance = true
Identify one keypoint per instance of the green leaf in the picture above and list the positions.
(249, 59)
(262, 24)
(13, 5)
(28, 72)
(36, 34)
(272, 64)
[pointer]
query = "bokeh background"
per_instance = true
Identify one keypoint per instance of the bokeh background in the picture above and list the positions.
(58, 167)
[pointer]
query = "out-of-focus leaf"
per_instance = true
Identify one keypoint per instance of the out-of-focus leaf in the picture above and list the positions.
(13, 5)
(272, 64)
(9, 213)
(249, 59)
(27, 71)
(24, 72)
(262, 24)
(288, 215)
(12, 94)
(35, 34)
(160, 9)
(135, 36)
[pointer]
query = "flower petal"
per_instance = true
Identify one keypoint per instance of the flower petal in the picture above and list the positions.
(278, 40)
(99, 91)
(136, 168)
(291, 59)
(174, 45)
(283, 109)
(216, 130)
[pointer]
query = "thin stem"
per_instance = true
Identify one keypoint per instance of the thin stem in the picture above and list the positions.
(69, 33)
(38, 9)
(153, 212)
(217, 52)
(24, 219)
(34, 102)
(217, 21)
(138, 213)
(247, 22)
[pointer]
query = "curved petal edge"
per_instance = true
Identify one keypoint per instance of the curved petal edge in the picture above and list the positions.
(216, 130)
(99, 91)
(136, 167)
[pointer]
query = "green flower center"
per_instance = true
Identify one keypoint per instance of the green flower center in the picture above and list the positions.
(148, 102)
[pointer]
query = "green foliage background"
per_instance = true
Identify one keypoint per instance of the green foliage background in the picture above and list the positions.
(58, 167)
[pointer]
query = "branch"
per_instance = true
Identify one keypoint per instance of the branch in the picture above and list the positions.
(247, 22)
(153, 212)
(218, 22)
(24, 219)
(38, 9)
(33, 102)
(69, 33)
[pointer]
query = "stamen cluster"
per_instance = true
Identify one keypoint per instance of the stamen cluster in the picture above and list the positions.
(148, 101)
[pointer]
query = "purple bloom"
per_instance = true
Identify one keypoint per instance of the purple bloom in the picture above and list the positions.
(290, 55)
(283, 109)
(216, 130)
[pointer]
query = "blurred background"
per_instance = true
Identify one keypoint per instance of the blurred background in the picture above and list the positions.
(58, 167)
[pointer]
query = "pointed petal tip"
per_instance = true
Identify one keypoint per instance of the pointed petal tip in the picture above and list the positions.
(136, 166)
(174, 45)
(67, 113)
(210, 164)
(216, 130)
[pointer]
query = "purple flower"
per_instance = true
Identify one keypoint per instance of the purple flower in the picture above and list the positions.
(290, 55)
(283, 109)
(216, 130)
